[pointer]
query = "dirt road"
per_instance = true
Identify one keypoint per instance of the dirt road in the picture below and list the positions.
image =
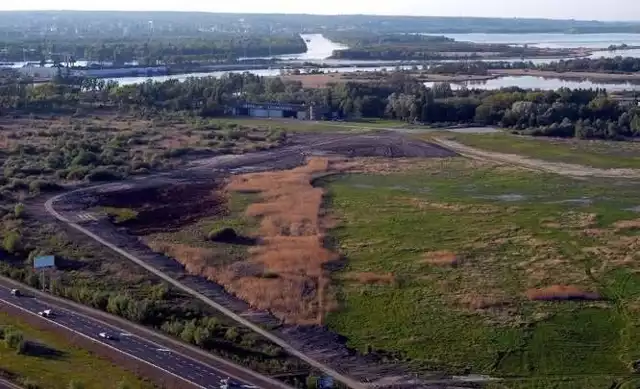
(565, 169)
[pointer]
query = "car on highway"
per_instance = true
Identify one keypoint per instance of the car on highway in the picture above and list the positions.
(106, 335)
(227, 383)
(46, 313)
(16, 292)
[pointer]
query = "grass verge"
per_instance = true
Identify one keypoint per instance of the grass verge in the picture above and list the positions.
(55, 363)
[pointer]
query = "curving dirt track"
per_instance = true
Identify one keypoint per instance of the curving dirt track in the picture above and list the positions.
(563, 169)
(315, 345)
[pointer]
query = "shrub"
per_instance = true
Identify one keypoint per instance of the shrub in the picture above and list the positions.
(223, 235)
(12, 242)
(18, 210)
(38, 186)
(13, 338)
(102, 174)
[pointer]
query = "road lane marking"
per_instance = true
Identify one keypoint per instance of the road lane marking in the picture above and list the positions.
(107, 345)
(208, 369)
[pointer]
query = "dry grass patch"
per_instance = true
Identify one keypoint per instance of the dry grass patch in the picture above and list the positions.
(622, 225)
(561, 292)
(285, 273)
(441, 258)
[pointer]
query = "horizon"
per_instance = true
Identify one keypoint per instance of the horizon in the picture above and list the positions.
(582, 10)
(317, 14)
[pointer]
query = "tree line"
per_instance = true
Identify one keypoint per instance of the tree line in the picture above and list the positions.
(177, 50)
(564, 112)
(617, 64)
(368, 46)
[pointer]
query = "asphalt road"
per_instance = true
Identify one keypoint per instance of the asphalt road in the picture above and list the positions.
(4, 384)
(184, 367)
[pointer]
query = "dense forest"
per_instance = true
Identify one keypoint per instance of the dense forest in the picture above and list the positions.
(175, 50)
(114, 24)
(564, 113)
(416, 47)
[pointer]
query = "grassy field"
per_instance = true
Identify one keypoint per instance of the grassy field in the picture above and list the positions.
(318, 126)
(600, 154)
(465, 266)
(61, 363)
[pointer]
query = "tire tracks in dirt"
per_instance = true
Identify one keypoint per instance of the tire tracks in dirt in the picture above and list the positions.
(564, 169)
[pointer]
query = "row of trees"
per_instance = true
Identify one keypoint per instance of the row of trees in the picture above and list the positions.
(592, 113)
(178, 50)
(424, 47)
(617, 64)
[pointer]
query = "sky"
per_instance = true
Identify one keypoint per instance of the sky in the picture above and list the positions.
(555, 9)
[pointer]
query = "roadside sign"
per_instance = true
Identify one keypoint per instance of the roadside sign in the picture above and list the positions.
(325, 382)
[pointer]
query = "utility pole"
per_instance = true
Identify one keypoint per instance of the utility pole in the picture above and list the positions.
(270, 40)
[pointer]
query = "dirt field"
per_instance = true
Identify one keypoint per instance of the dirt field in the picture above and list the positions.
(279, 227)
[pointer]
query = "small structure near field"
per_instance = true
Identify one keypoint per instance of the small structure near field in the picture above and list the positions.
(280, 111)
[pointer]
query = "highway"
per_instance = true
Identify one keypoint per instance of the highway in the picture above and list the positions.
(179, 365)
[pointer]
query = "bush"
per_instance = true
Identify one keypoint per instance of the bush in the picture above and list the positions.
(38, 186)
(12, 242)
(223, 235)
(13, 338)
(102, 174)
(18, 210)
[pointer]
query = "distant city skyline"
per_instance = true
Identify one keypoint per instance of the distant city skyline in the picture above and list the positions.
(622, 10)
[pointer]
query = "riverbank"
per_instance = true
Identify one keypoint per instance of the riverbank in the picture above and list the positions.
(594, 76)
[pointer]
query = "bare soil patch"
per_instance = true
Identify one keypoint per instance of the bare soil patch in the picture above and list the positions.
(442, 258)
(561, 292)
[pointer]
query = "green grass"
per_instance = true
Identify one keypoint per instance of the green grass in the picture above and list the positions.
(197, 234)
(120, 215)
(388, 223)
(293, 125)
(600, 154)
(56, 372)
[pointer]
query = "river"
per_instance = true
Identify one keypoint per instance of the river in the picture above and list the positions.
(319, 49)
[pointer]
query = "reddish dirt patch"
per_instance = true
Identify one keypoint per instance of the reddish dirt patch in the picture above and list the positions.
(627, 225)
(371, 278)
(441, 258)
(561, 292)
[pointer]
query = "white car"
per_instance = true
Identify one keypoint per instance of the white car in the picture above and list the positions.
(46, 313)
(105, 335)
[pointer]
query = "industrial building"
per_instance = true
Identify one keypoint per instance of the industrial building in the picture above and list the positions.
(280, 111)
